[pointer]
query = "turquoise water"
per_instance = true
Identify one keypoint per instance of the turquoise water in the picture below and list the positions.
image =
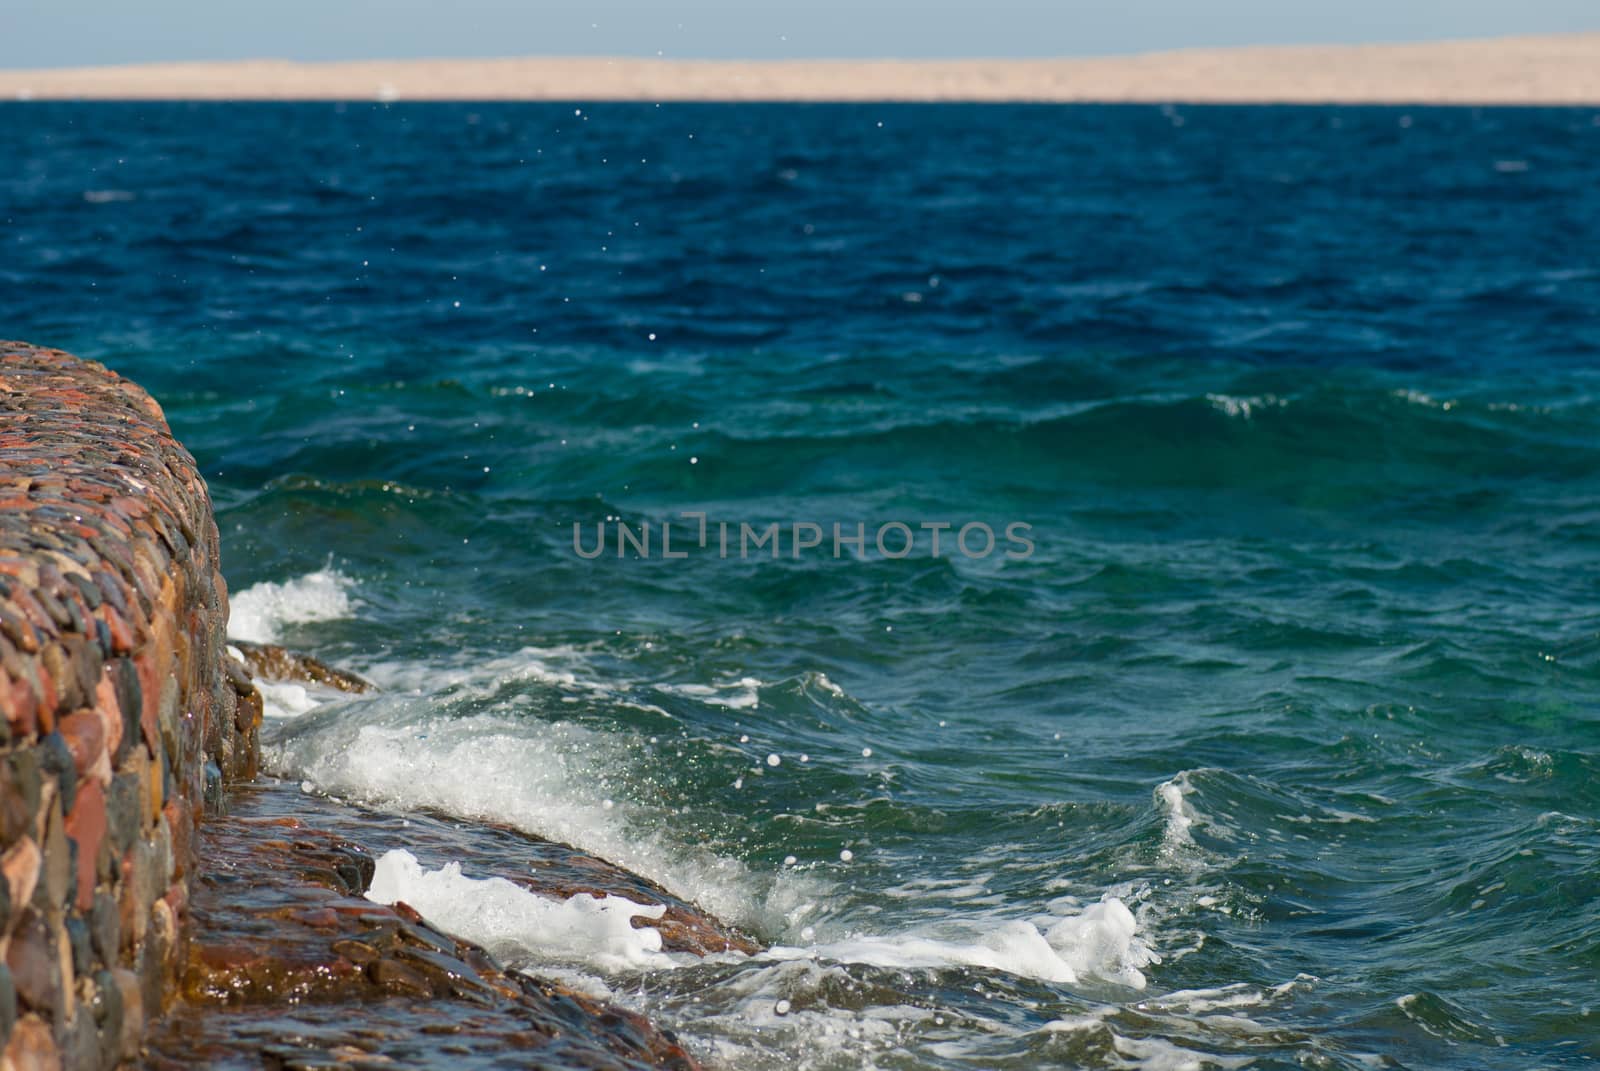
(1279, 750)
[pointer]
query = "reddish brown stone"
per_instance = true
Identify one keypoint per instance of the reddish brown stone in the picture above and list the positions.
(85, 734)
(87, 825)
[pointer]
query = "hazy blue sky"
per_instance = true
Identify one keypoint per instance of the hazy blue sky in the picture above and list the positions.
(51, 33)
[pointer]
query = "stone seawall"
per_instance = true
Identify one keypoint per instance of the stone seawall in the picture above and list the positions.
(122, 716)
(126, 721)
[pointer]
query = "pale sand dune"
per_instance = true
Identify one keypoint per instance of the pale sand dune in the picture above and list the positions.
(1520, 70)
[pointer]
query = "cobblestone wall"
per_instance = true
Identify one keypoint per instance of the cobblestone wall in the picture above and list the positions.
(122, 715)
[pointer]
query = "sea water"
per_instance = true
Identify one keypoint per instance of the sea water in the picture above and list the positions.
(1279, 750)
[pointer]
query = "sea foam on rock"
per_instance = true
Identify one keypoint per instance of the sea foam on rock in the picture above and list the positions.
(507, 918)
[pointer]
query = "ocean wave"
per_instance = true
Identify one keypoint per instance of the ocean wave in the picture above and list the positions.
(1332, 443)
(555, 780)
(1101, 941)
(260, 612)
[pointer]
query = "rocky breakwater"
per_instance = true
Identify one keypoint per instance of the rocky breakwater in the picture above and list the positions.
(127, 718)
(121, 717)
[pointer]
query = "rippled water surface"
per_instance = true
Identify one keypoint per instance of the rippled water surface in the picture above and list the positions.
(1282, 748)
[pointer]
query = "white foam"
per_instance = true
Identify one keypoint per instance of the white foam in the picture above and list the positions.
(564, 668)
(1173, 797)
(1101, 941)
(285, 699)
(1158, 1054)
(741, 694)
(1226, 998)
(1244, 408)
(555, 780)
(511, 921)
(258, 613)
(828, 686)
(1417, 397)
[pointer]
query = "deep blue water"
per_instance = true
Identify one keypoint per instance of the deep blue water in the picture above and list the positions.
(1301, 406)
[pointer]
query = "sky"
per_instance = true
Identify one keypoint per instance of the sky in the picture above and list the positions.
(58, 33)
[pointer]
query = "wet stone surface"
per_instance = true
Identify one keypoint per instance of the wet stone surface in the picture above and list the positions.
(271, 662)
(290, 967)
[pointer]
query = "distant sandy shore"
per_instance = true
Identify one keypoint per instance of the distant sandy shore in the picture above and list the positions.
(1519, 70)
